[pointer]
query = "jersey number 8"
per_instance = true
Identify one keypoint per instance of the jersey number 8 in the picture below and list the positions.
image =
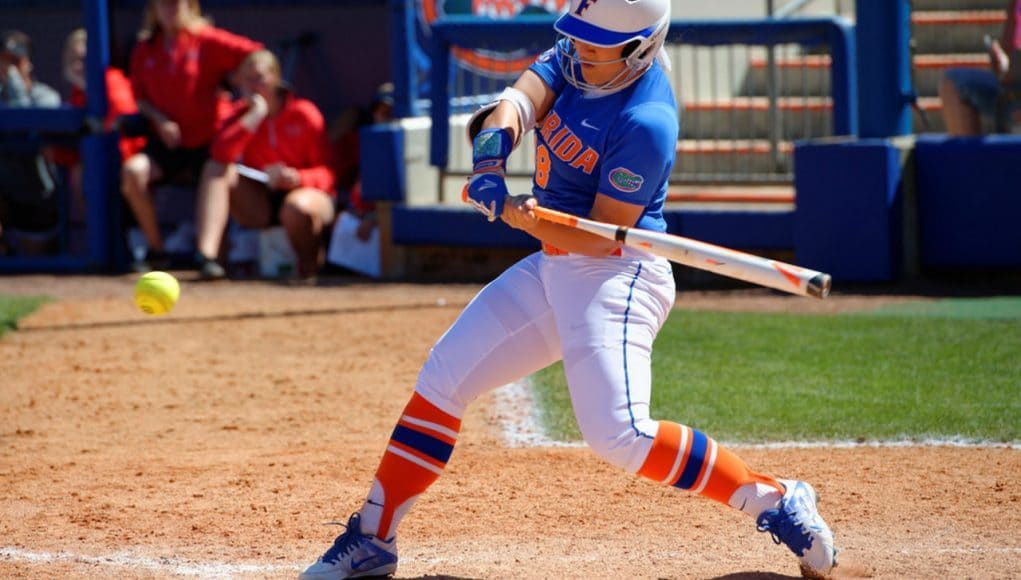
(542, 163)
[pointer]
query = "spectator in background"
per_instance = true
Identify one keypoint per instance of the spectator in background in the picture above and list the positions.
(177, 69)
(345, 142)
(121, 102)
(18, 87)
(27, 178)
(283, 139)
(969, 95)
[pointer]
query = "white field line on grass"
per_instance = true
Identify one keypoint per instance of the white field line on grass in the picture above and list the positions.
(519, 420)
(176, 566)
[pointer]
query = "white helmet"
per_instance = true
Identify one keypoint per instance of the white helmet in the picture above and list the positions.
(640, 24)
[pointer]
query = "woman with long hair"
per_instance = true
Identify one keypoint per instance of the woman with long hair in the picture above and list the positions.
(177, 69)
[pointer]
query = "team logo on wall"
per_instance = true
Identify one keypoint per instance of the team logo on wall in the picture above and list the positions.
(626, 180)
(490, 62)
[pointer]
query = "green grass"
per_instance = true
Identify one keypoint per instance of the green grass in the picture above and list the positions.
(772, 377)
(13, 308)
(992, 308)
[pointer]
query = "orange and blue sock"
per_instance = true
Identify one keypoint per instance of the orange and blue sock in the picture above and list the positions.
(415, 456)
(689, 459)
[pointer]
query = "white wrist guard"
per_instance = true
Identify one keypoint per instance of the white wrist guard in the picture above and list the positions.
(522, 104)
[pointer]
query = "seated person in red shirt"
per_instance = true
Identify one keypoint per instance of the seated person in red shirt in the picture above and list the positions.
(283, 139)
(121, 102)
(177, 68)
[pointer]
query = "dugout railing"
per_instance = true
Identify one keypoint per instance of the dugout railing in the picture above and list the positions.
(828, 87)
(81, 127)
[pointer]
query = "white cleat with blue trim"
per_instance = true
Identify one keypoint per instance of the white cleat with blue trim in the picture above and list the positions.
(354, 555)
(796, 523)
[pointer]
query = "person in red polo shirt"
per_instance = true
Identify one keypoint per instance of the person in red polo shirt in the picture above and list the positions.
(176, 71)
(269, 165)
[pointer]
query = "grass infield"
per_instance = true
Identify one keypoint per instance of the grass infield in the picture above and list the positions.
(753, 377)
(13, 308)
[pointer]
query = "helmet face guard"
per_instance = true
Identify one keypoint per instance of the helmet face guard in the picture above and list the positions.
(640, 26)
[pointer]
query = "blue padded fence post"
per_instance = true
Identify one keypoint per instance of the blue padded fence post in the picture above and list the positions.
(884, 67)
(402, 43)
(844, 83)
(98, 150)
(439, 78)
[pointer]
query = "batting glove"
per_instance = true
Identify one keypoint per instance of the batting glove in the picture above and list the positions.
(486, 187)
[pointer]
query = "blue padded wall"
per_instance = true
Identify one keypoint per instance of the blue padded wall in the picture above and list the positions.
(969, 201)
(442, 225)
(739, 230)
(848, 220)
(381, 159)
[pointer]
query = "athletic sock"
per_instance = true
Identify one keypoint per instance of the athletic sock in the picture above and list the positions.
(755, 498)
(418, 451)
(689, 459)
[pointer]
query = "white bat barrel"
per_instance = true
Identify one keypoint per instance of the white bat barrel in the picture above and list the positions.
(731, 263)
(709, 257)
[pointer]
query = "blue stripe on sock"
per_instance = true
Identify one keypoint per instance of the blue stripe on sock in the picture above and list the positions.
(699, 443)
(431, 446)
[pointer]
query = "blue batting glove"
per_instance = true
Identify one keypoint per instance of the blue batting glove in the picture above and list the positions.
(486, 192)
(486, 188)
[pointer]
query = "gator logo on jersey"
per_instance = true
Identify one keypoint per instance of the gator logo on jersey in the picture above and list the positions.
(489, 62)
(626, 180)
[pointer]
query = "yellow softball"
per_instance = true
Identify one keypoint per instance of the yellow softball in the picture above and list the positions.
(156, 293)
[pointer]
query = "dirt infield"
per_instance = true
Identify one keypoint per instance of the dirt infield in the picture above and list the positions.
(215, 441)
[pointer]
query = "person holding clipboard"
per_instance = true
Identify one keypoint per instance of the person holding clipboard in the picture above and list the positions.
(268, 166)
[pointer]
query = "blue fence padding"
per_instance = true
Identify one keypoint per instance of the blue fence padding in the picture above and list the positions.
(62, 263)
(100, 188)
(463, 226)
(454, 226)
(61, 120)
(849, 220)
(381, 162)
(536, 32)
(744, 230)
(969, 201)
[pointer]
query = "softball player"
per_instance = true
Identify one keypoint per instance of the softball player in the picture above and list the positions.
(606, 124)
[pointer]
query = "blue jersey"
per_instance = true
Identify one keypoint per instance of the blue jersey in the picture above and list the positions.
(622, 145)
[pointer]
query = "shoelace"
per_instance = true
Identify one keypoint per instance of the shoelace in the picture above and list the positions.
(349, 540)
(783, 527)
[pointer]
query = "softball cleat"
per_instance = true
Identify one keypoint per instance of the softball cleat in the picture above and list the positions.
(797, 524)
(354, 555)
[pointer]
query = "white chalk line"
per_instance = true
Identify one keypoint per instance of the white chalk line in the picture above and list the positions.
(519, 421)
(123, 559)
(519, 418)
